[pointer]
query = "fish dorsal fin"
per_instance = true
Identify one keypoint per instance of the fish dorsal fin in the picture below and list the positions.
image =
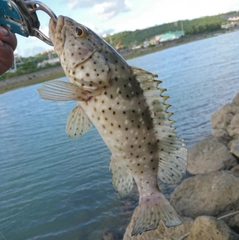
(121, 177)
(172, 152)
(62, 91)
(78, 123)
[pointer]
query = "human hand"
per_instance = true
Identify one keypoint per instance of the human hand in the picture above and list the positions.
(8, 43)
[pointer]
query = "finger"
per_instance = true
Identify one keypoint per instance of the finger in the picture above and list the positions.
(6, 57)
(8, 37)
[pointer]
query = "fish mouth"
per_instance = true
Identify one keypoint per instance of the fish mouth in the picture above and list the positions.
(55, 29)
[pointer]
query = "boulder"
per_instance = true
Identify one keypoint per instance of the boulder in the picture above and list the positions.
(236, 100)
(235, 169)
(234, 223)
(222, 118)
(209, 155)
(221, 134)
(209, 228)
(162, 232)
(234, 147)
(233, 127)
(212, 194)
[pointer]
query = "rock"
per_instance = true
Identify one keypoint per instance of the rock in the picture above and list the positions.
(209, 228)
(236, 100)
(209, 155)
(235, 169)
(234, 223)
(222, 118)
(234, 147)
(210, 194)
(162, 232)
(221, 134)
(233, 127)
(108, 236)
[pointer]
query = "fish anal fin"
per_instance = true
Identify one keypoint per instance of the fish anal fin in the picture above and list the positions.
(63, 91)
(78, 123)
(122, 179)
(150, 211)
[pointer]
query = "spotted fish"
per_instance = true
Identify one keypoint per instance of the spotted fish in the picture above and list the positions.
(129, 111)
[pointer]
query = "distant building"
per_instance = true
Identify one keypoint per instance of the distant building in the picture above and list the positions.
(236, 18)
(155, 40)
(50, 61)
(230, 25)
(171, 36)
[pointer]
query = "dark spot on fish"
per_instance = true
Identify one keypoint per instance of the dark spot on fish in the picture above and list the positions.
(111, 96)
(82, 67)
(103, 101)
(119, 126)
(110, 108)
(87, 74)
(142, 172)
(139, 146)
(103, 111)
(103, 70)
(112, 124)
(94, 62)
(106, 119)
(126, 129)
(114, 113)
(116, 79)
(124, 112)
(111, 132)
(132, 146)
(138, 164)
(103, 126)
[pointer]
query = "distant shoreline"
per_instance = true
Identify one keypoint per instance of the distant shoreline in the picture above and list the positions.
(57, 72)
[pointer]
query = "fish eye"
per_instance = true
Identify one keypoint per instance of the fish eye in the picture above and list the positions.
(80, 32)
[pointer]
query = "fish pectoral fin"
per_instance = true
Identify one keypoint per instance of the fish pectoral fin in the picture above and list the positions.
(62, 91)
(78, 123)
(122, 179)
(150, 211)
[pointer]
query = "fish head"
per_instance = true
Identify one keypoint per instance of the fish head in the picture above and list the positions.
(80, 51)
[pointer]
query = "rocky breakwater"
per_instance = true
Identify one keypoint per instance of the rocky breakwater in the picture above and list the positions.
(208, 201)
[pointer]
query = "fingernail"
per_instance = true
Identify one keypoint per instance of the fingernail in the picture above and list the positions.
(4, 31)
(1, 43)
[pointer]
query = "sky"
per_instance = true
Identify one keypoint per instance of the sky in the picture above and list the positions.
(113, 16)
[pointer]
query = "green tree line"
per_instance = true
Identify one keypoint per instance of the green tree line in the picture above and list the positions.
(190, 27)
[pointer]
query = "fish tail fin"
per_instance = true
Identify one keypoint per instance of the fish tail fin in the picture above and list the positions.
(150, 211)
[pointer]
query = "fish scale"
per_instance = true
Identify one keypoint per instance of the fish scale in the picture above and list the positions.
(128, 110)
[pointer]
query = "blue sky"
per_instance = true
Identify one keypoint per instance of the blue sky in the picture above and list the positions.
(113, 16)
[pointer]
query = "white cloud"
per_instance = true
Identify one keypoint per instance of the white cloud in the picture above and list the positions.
(72, 4)
(105, 9)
